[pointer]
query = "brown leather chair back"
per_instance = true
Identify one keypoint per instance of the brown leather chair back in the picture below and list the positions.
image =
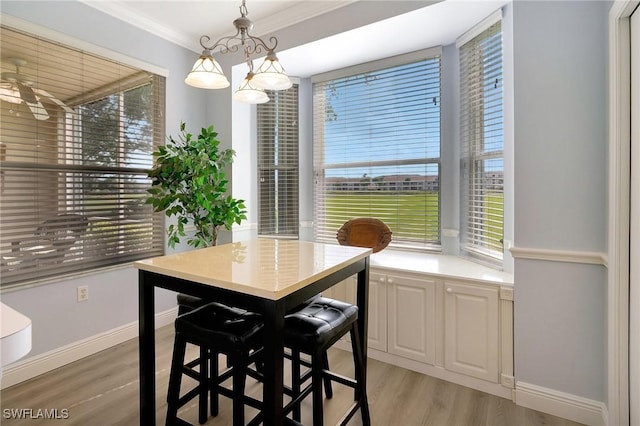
(365, 232)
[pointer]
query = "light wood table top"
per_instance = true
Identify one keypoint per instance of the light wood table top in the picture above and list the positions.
(266, 268)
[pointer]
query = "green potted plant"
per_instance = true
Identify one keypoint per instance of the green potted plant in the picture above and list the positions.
(188, 181)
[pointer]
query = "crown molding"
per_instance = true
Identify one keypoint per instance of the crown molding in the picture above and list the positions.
(59, 37)
(296, 13)
(120, 10)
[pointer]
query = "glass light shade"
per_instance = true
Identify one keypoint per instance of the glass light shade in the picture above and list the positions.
(207, 74)
(10, 94)
(249, 94)
(271, 75)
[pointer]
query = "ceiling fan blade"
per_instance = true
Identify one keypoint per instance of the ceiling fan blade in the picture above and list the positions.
(9, 93)
(53, 99)
(38, 110)
(26, 93)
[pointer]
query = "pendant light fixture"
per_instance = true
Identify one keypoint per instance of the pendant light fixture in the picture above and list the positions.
(207, 73)
(247, 92)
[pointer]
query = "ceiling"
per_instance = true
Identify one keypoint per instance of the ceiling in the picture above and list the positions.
(183, 22)
(439, 24)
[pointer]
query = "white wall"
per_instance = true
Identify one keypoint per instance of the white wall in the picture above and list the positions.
(58, 319)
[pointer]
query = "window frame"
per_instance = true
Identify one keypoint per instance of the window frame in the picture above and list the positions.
(320, 165)
(272, 141)
(475, 236)
(69, 167)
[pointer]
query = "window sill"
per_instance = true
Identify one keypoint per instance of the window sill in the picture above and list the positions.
(442, 265)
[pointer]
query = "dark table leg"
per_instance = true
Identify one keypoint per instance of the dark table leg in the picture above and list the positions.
(273, 363)
(147, 351)
(363, 305)
(363, 327)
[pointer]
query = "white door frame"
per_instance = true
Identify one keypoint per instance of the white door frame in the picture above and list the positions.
(619, 204)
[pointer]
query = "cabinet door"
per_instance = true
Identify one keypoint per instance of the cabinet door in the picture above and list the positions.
(412, 318)
(377, 307)
(377, 338)
(471, 330)
(342, 291)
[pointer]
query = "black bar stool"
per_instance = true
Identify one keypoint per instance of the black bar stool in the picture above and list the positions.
(313, 330)
(216, 329)
(322, 322)
(187, 303)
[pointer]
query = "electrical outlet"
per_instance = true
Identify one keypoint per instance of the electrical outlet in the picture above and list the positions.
(83, 293)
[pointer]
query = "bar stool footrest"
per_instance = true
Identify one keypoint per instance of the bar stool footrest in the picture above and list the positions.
(343, 380)
(306, 391)
(250, 401)
(349, 414)
(182, 401)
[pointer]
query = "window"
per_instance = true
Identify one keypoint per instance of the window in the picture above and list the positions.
(77, 132)
(377, 148)
(482, 143)
(278, 164)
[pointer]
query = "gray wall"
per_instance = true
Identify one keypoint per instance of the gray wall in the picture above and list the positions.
(57, 318)
(560, 57)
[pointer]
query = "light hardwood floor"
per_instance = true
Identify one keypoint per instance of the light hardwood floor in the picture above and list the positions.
(103, 390)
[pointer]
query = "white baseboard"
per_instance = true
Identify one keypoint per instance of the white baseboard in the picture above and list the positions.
(568, 406)
(31, 367)
(550, 401)
(434, 371)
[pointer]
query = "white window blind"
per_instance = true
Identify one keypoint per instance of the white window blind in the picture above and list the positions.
(482, 143)
(77, 135)
(278, 164)
(377, 149)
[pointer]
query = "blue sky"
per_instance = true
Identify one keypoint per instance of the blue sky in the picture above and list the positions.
(394, 114)
(372, 118)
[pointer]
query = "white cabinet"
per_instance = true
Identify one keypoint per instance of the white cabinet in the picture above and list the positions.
(402, 314)
(377, 308)
(377, 331)
(455, 328)
(471, 330)
(412, 318)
